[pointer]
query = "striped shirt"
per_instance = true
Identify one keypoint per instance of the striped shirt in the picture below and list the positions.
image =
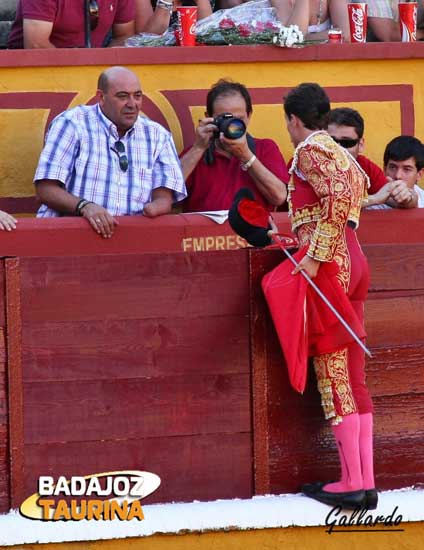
(80, 152)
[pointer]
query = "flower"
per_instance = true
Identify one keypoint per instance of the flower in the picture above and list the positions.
(229, 31)
(226, 24)
(244, 30)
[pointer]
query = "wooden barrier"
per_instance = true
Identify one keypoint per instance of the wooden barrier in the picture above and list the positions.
(118, 356)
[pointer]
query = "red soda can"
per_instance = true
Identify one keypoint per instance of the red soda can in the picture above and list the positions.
(335, 36)
(408, 21)
(358, 21)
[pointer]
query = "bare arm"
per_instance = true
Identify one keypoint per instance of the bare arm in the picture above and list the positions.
(271, 187)
(122, 31)
(52, 193)
(147, 20)
(143, 12)
(386, 30)
(298, 14)
(37, 34)
(162, 199)
(204, 133)
(203, 9)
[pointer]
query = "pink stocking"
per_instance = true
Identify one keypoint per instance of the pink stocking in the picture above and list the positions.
(366, 450)
(347, 438)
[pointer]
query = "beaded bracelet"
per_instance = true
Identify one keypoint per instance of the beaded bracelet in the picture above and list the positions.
(81, 204)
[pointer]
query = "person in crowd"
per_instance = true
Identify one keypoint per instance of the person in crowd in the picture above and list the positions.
(325, 196)
(346, 127)
(158, 19)
(61, 23)
(105, 160)
(7, 222)
(383, 20)
(314, 17)
(404, 160)
(216, 167)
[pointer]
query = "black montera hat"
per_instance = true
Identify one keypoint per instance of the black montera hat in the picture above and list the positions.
(249, 219)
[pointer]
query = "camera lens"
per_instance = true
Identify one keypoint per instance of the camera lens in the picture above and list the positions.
(234, 128)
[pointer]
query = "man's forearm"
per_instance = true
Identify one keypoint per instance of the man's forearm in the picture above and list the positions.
(190, 160)
(56, 197)
(271, 187)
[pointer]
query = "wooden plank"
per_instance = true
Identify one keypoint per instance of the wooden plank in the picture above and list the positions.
(4, 410)
(179, 405)
(394, 321)
(396, 267)
(134, 287)
(203, 467)
(15, 385)
(259, 329)
(135, 348)
(396, 370)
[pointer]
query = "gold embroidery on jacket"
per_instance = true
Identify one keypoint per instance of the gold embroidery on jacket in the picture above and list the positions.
(339, 183)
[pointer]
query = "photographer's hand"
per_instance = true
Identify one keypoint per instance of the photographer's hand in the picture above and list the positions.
(236, 147)
(204, 134)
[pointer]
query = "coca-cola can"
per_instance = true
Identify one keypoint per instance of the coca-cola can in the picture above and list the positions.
(358, 21)
(335, 36)
(408, 21)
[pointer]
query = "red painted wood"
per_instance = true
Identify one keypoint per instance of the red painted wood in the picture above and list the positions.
(134, 287)
(15, 385)
(135, 348)
(394, 321)
(160, 406)
(137, 234)
(396, 268)
(204, 467)
(207, 54)
(107, 361)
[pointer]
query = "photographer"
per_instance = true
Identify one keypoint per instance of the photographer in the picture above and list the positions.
(225, 158)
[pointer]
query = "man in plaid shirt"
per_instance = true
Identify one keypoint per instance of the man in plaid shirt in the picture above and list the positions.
(105, 160)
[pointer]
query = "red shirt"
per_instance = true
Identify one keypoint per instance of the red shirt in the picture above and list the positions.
(374, 172)
(67, 17)
(212, 187)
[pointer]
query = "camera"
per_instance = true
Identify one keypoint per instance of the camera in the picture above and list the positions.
(230, 126)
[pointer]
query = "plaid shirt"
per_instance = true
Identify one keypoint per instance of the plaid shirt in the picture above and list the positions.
(80, 152)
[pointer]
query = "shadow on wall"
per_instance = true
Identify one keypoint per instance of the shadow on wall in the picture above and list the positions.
(7, 16)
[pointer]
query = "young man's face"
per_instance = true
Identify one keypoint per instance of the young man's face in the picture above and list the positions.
(405, 170)
(347, 137)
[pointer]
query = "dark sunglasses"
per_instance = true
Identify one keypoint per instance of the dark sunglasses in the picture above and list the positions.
(346, 143)
(93, 12)
(123, 159)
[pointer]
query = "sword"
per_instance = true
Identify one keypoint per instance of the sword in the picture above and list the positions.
(322, 296)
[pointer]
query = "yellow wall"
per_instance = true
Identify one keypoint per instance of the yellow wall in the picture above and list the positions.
(295, 538)
(22, 130)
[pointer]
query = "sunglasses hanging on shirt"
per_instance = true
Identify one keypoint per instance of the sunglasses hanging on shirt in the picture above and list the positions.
(119, 149)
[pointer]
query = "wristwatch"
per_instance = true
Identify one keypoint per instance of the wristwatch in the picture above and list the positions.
(165, 5)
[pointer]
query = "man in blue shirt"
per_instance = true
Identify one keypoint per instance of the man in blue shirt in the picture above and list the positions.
(105, 160)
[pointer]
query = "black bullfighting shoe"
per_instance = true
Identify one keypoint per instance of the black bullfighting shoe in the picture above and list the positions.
(371, 497)
(349, 500)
